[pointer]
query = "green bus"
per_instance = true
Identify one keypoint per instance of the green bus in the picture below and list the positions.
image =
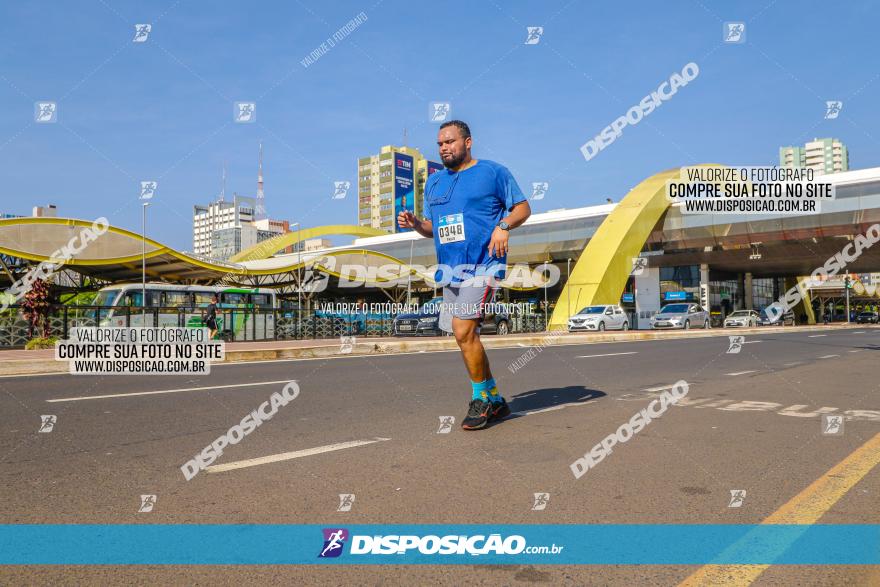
(242, 313)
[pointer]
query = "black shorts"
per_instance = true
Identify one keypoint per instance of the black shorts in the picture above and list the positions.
(211, 323)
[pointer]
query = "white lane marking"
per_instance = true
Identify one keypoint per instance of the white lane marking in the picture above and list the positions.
(658, 388)
(829, 356)
(606, 355)
(859, 332)
(816, 335)
(856, 351)
(81, 398)
(740, 373)
(286, 456)
(752, 341)
(793, 364)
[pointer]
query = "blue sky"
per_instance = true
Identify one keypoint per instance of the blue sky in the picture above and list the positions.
(162, 110)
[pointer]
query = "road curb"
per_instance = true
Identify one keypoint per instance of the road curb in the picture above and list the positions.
(365, 347)
(511, 341)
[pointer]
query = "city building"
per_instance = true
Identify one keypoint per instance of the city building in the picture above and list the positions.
(723, 262)
(273, 226)
(222, 229)
(389, 182)
(792, 157)
(313, 244)
(221, 215)
(424, 168)
(48, 211)
(269, 228)
(823, 155)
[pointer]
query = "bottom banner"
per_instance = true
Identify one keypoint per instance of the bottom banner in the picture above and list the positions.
(147, 544)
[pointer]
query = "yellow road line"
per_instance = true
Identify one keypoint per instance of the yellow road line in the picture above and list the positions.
(805, 508)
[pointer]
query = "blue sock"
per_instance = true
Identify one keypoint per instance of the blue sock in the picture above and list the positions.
(492, 390)
(480, 391)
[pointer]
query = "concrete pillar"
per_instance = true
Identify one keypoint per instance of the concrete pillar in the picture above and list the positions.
(749, 293)
(647, 296)
(704, 285)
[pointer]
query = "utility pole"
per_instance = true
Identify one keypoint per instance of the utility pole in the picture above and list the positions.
(144, 262)
(299, 284)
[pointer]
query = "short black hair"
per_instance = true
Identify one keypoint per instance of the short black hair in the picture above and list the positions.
(460, 125)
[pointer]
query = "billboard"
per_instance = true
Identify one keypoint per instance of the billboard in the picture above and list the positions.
(404, 186)
(433, 166)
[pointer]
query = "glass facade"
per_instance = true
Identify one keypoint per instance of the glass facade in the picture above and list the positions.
(765, 291)
(680, 283)
(725, 296)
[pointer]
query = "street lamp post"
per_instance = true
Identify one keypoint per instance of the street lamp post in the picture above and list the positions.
(144, 261)
(298, 282)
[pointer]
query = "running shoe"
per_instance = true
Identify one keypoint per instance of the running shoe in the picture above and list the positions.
(500, 410)
(478, 415)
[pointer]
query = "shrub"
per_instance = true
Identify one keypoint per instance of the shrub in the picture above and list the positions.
(41, 343)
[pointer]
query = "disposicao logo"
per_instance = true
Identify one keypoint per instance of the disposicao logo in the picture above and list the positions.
(334, 541)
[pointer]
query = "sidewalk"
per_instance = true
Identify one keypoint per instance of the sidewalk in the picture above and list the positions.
(20, 362)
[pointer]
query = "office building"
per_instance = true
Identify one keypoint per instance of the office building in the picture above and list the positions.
(389, 182)
(221, 215)
(823, 155)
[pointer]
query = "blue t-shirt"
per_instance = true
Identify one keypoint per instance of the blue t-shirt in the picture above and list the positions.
(465, 207)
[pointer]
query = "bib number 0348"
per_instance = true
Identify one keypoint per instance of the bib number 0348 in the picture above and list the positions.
(451, 228)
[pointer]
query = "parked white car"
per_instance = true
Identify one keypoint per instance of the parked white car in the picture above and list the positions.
(599, 318)
(747, 318)
(683, 315)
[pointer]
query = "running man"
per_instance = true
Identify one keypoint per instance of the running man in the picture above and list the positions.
(470, 209)
(210, 317)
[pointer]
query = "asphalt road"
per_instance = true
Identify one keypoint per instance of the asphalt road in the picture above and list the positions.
(751, 421)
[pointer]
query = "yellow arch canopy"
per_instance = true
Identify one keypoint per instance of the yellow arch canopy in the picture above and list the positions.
(269, 247)
(601, 272)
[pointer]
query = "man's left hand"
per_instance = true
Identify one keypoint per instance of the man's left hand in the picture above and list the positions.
(498, 246)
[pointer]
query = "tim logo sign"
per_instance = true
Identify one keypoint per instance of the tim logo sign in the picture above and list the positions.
(404, 164)
(334, 541)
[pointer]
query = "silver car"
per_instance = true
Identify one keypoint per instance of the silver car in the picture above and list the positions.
(747, 318)
(683, 315)
(600, 317)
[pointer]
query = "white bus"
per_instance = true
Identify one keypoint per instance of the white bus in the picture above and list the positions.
(242, 313)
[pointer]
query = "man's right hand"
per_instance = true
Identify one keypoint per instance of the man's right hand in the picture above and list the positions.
(407, 219)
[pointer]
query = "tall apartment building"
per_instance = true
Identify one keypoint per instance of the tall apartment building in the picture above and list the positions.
(792, 157)
(823, 155)
(389, 182)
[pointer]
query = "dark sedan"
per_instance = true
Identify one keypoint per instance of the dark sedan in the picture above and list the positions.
(426, 322)
(868, 318)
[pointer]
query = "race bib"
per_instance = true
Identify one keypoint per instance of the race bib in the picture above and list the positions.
(450, 229)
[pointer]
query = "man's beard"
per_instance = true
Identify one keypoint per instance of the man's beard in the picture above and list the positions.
(454, 161)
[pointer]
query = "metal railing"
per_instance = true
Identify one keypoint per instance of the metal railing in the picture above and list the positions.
(234, 324)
